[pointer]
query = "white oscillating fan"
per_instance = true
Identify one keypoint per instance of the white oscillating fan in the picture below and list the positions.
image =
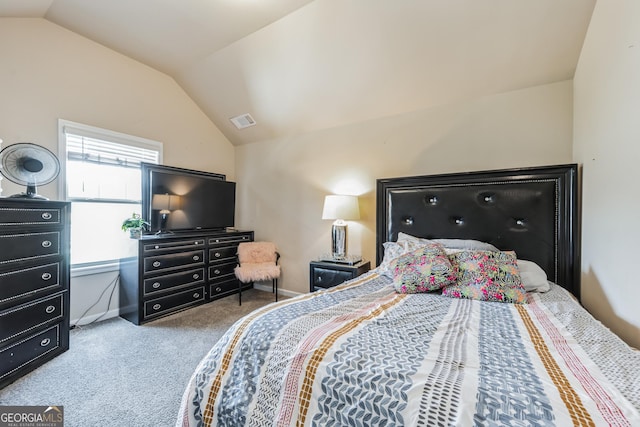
(30, 165)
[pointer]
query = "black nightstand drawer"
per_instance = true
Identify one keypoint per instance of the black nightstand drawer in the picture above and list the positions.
(325, 278)
(20, 247)
(323, 274)
(178, 260)
(27, 282)
(26, 351)
(169, 281)
(173, 302)
(24, 318)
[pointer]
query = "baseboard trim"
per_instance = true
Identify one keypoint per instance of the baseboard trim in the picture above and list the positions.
(284, 292)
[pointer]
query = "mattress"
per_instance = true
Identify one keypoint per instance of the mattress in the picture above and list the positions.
(361, 354)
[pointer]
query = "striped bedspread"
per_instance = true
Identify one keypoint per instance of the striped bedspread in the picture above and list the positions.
(362, 355)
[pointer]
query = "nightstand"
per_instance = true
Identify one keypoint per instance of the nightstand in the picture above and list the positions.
(325, 274)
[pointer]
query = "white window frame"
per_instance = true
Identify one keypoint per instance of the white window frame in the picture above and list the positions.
(106, 135)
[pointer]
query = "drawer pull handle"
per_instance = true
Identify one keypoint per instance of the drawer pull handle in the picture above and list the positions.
(196, 257)
(156, 285)
(156, 306)
(47, 215)
(45, 342)
(46, 243)
(319, 279)
(196, 295)
(156, 264)
(217, 255)
(156, 247)
(218, 289)
(216, 271)
(196, 276)
(46, 276)
(50, 309)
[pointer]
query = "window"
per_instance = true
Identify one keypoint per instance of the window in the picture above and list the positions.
(103, 183)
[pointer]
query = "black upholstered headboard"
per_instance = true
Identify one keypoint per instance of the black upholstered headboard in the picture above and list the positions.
(533, 211)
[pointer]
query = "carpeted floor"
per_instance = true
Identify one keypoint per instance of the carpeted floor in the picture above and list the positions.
(119, 374)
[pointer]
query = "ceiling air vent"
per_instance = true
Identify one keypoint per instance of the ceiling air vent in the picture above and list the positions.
(243, 121)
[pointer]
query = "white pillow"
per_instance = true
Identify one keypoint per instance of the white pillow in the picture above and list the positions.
(463, 244)
(533, 277)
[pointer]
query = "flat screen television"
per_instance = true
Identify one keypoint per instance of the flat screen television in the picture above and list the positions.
(179, 200)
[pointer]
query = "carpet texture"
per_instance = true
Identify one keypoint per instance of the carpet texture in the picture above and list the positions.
(119, 374)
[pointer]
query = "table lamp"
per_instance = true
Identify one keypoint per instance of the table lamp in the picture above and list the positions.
(340, 208)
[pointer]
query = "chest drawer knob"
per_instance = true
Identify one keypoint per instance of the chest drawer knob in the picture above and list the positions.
(217, 255)
(216, 271)
(196, 276)
(156, 306)
(45, 342)
(319, 279)
(46, 276)
(156, 247)
(50, 309)
(196, 257)
(156, 285)
(46, 243)
(196, 295)
(46, 215)
(218, 289)
(156, 264)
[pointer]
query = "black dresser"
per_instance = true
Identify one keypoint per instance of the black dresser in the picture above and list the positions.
(178, 271)
(34, 284)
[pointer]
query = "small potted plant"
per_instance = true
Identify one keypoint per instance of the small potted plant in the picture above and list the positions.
(135, 225)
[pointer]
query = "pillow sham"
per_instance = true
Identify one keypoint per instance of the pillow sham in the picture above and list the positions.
(534, 278)
(425, 269)
(486, 276)
(465, 244)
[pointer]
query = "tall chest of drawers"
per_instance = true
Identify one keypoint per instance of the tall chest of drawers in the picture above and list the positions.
(179, 271)
(34, 284)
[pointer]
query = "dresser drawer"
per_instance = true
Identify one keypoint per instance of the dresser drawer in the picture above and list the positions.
(178, 260)
(173, 302)
(221, 269)
(28, 350)
(229, 239)
(20, 320)
(170, 281)
(29, 282)
(17, 216)
(223, 253)
(224, 287)
(20, 247)
(181, 244)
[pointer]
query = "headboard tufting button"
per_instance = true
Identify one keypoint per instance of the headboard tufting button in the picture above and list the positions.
(407, 220)
(458, 220)
(432, 200)
(520, 222)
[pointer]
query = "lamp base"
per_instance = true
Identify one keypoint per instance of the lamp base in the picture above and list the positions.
(339, 239)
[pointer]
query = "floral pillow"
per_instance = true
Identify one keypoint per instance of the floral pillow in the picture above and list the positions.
(393, 250)
(425, 269)
(486, 276)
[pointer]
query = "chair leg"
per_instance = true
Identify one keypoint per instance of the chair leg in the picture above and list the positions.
(275, 287)
(239, 292)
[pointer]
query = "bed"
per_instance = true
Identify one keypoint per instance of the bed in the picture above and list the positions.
(396, 347)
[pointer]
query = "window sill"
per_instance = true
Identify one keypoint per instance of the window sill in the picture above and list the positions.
(95, 268)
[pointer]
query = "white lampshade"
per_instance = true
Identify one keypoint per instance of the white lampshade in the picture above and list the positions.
(341, 207)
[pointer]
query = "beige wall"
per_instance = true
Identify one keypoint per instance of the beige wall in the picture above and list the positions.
(47, 73)
(282, 182)
(607, 143)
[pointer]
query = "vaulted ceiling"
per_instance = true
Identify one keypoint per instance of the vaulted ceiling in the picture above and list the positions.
(304, 65)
